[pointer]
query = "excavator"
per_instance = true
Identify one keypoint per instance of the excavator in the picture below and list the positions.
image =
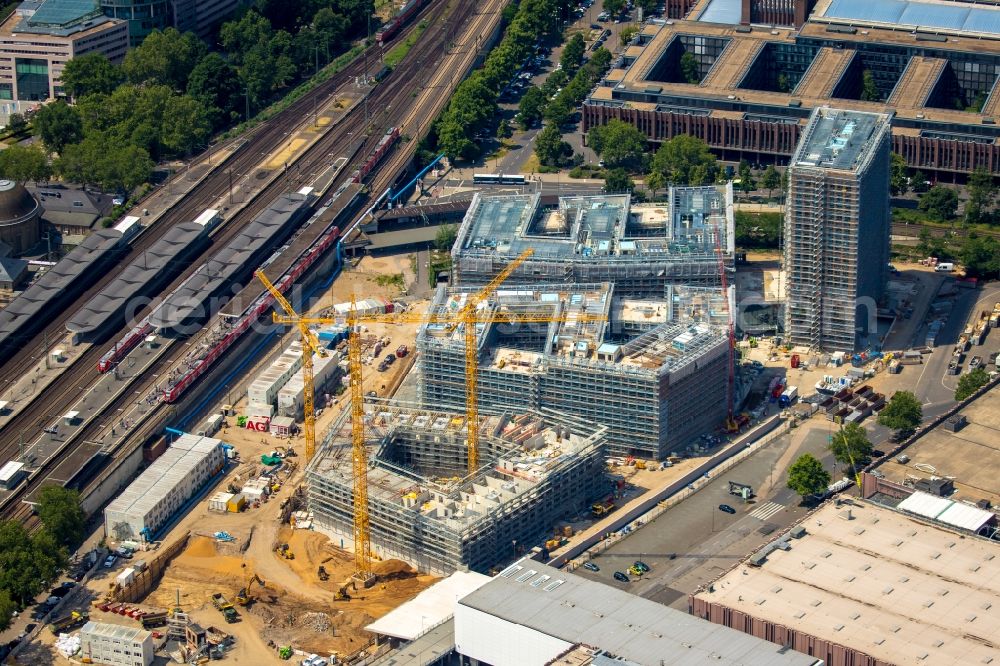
(343, 593)
(243, 598)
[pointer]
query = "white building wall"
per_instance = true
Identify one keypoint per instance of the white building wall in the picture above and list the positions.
(103, 645)
(497, 642)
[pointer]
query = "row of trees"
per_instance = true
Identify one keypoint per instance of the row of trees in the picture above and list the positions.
(29, 562)
(473, 104)
(171, 93)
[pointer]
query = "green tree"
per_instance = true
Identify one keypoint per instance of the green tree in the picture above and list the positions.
(618, 180)
(445, 237)
(918, 182)
(215, 83)
(531, 107)
(16, 123)
(60, 512)
(185, 125)
(806, 476)
(971, 382)
(869, 90)
(904, 412)
(982, 196)
(559, 112)
(655, 181)
(619, 144)
(747, 182)
(164, 58)
(690, 71)
(898, 182)
(107, 161)
(757, 230)
(572, 55)
(27, 563)
(550, 147)
(686, 160)
(939, 202)
(58, 124)
(850, 446)
(23, 163)
(980, 256)
(504, 130)
(90, 74)
(614, 7)
(782, 83)
(7, 609)
(770, 179)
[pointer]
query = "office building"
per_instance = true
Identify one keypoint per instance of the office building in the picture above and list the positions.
(653, 371)
(116, 645)
(934, 64)
(535, 469)
(837, 222)
(39, 37)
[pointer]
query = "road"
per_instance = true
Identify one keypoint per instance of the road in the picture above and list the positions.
(693, 542)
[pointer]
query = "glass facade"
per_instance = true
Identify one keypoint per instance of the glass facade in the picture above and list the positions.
(143, 16)
(32, 79)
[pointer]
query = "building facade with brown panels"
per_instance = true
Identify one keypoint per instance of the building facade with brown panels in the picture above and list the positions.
(757, 88)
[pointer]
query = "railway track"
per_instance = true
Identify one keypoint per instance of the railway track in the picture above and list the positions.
(264, 138)
(390, 100)
(59, 395)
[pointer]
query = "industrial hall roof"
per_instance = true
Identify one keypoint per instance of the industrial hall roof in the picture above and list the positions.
(578, 610)
(144, 270)
(902, 590)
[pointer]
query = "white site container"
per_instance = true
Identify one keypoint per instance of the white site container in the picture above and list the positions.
(220, 502)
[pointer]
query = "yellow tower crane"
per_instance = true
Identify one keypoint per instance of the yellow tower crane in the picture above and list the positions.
(469, 317)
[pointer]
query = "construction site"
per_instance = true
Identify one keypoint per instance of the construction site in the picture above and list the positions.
(603, 238)
(429, 509)
(652, 371)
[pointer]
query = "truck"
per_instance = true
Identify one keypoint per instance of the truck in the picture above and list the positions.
(225, 607)
(788, 396)
(71, 621)
(602, 508)
(154, 619)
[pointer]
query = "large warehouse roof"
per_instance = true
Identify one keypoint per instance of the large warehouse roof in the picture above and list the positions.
(264, 233)
(902, 591)
(949, 16)
(576, 610)
(145, 269)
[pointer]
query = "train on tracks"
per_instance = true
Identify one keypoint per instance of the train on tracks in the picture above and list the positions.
(396, 23)
(385, 144)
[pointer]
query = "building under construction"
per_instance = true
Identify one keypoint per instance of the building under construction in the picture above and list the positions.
(537, 468)
(653, 371)
(641, 249)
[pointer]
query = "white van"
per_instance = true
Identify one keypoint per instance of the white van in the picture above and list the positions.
(946, 267)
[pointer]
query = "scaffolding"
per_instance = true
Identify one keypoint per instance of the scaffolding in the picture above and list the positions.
(537, 469)
(836, 227)
(654, 373)
(642, 249)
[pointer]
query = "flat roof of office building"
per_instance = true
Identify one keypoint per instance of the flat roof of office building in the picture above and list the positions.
(578, 610)
(878, 581)
(838, 138)
(956, 17)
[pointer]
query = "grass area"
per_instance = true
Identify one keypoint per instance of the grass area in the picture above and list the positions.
(399, 51)
(393, 280)
(531, 165)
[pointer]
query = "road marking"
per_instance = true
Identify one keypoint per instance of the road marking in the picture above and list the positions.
(765, 511)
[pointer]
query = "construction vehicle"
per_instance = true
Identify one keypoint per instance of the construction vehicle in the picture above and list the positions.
(468, 318)
(285, 552)
(155, 619)
(71, 621)
(741, 490)
(602, 508)
(321, 572)
(243, 597)
(343, 592)
(228, 612)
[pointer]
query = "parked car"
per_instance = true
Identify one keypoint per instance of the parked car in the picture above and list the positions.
(110, 561)
(621, 577)
(641, 566)
(590, 566)
(726, 508)
(975, 362)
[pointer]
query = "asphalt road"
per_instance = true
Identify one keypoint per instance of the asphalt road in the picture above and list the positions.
(695, 541)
